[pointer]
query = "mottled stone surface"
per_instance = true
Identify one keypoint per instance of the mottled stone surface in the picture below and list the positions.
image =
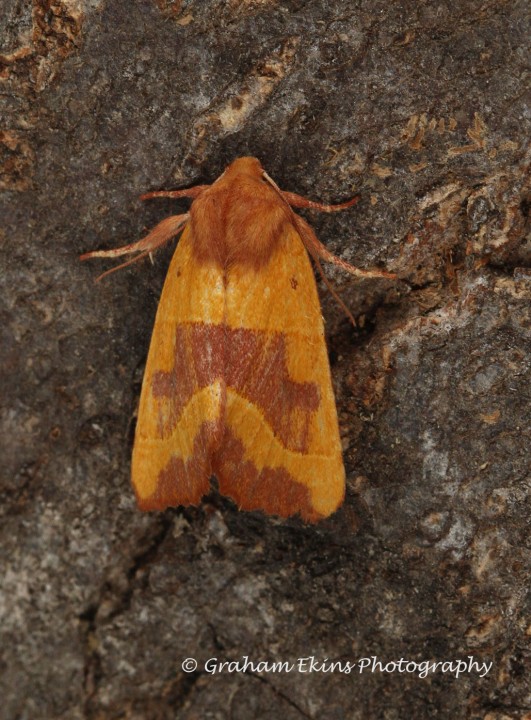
(419, 106)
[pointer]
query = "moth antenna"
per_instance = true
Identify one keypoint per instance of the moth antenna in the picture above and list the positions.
(332, 291)
(317, 249)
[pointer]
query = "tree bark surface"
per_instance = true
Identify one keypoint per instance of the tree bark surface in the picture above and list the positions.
(421, 108)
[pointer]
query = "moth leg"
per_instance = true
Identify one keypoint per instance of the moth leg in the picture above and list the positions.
(318, 250)
(294, 200)
(299, 201)
(161, 233)
(192, 192)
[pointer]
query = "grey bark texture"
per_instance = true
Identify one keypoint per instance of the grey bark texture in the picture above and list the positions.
(421, 108)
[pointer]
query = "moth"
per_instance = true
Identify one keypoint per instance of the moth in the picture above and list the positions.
(237, 383)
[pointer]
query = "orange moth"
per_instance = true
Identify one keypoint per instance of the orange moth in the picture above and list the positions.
(237, 382)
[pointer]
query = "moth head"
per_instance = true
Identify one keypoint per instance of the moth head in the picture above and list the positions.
(249, 166)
